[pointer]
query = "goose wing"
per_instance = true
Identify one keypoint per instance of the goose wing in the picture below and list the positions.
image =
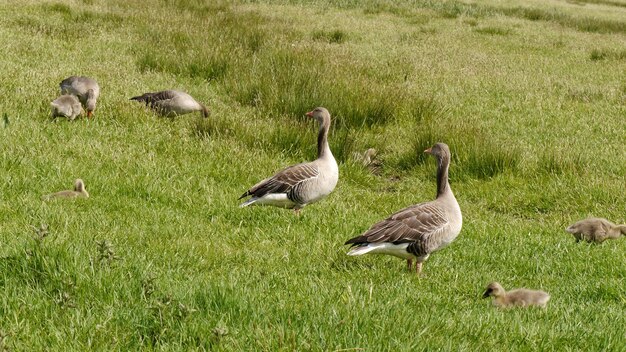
(422, 224)
(284, 181)
(157, 98)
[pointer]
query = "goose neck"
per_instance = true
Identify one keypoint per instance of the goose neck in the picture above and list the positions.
(323, 149)
(443, 186)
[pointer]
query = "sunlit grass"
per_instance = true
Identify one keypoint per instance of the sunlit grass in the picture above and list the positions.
(527, 95)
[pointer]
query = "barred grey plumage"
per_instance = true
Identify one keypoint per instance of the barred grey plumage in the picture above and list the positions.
(296, 186)
(417, 231)
(172, 103)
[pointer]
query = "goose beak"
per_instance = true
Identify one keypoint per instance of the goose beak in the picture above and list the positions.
(309, 114)
(428, 151)
(89, 113)
(486, 294)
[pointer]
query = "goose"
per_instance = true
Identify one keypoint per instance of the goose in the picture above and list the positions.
(66, 106)
(171, 103)
(299, 185)
(85, 88)
(78, 192)
(521, 297)
(415, 232)
(596, 230)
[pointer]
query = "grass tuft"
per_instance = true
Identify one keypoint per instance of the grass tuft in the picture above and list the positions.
(493, 30)
(333, 37)
(607, 54)
(474, 154)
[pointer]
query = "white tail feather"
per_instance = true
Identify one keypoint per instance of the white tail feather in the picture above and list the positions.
(361, 250)
(248, 202)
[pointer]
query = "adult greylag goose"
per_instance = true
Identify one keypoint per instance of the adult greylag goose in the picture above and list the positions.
(78, 192)
(521, 297)
(299, 185)
(415, 232)
(85, 88)
(66, 106)
(596, 230)
(172, 103)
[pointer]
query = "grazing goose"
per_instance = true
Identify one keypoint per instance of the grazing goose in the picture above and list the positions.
(171, 103)
(596, 230)
(301, 184)
(521, 297)
(78, 192)
(85, 88)
(419, 230)
(66, 106)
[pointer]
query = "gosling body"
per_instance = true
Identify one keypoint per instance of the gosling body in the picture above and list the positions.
(521, 297)
(79, 191)
(66, 106)
(596, 230)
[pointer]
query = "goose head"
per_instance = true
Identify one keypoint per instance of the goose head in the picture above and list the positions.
(493, 289)
(321, 115)
(90, 103)
(441, 151)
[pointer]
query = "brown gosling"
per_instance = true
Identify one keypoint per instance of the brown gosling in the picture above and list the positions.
(521, 297)
(596, 230)
(78, 192)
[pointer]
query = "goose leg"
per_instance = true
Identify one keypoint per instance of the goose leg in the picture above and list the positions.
(409, 264)
(418, 268)
(296, 211)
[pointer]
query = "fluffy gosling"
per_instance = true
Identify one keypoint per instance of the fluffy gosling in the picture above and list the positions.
(521, 297)
(66, 106)
(596, 230)
(78, 192)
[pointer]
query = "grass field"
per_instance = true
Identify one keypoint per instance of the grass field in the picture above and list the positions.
(530, 96)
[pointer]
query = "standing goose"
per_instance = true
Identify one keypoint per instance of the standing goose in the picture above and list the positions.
(521, 297)
(66, 106)
(301, 184)
(85, 88)
(78, 192)
(596, 230)
(171, 103)
(419, 230)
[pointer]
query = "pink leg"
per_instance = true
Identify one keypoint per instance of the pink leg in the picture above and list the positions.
(418, 268)
(409, 264)
(296, 211)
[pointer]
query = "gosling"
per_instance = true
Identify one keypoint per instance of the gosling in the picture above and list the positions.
(521, 297)
(78, 192)
(66, 106)
(596, 230)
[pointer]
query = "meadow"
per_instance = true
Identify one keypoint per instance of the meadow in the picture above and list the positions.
(530, 96)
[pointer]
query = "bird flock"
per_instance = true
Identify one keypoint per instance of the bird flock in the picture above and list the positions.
(412, 233)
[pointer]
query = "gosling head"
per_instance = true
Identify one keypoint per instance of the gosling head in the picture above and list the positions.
(370, 154)
(493, 289)
(79, 186)
(90, 102)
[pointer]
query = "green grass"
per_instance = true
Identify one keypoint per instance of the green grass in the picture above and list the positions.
(160, 257)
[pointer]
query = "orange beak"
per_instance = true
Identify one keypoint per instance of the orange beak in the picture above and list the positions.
(309, 114)
(89, 113)
(427, 151)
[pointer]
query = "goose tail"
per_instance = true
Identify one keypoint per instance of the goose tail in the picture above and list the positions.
(360, 250)
(248, 202)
